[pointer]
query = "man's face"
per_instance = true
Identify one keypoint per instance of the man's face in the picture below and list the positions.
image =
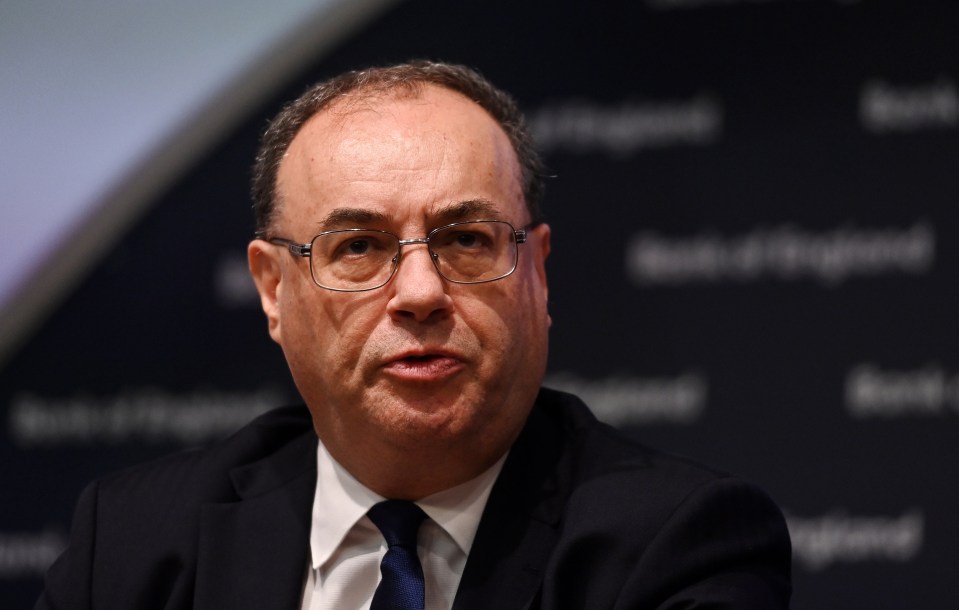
(421, 364)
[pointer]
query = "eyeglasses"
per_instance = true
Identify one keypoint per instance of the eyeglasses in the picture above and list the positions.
(354, 260)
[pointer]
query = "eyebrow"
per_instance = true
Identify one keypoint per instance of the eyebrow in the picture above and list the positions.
(469, 209)
(466, 210)
(353, 217)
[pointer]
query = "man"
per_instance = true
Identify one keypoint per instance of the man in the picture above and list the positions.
(400, 261)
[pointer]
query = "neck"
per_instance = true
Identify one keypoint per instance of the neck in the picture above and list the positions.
(413, 474)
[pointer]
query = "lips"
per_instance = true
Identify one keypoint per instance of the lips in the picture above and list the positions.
(423, 366)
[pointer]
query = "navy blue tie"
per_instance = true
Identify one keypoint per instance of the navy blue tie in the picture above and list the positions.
(402, 586)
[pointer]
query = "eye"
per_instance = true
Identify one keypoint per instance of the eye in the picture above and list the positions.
(350, 246)
(467, 240)
(358, 246)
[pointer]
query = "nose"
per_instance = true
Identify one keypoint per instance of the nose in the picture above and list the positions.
(418, 292)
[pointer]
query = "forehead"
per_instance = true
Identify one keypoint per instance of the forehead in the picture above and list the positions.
(400, 155)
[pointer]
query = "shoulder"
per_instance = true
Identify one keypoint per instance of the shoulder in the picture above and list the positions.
(640, 512)
(604, 465)
(598, 451)
(135, 536)
(203, 474)
(611, 482)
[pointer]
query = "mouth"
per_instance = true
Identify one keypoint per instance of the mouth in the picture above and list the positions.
(423, 366)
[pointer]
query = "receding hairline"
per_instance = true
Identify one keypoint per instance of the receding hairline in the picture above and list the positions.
(385, 90)
(407, 80)
(367, 97)
(344, 106)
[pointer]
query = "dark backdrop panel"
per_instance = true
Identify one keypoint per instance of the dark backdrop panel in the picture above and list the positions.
(753, 210)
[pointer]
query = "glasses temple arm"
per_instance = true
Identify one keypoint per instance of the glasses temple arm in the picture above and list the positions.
(294, 248)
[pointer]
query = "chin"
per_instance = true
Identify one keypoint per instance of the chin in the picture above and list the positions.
(431, 417)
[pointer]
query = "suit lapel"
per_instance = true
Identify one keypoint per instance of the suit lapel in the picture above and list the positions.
(253, 553)
(519, 527)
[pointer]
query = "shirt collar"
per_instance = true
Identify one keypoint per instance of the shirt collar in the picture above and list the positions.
(458, 510)
(340, 501)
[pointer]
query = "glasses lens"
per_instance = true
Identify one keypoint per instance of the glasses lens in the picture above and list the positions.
(473, 252)
(353, 259)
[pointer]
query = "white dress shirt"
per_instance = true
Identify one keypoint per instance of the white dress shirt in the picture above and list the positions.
(346, 548)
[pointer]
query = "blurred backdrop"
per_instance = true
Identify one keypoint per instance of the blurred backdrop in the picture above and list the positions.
(753, 206)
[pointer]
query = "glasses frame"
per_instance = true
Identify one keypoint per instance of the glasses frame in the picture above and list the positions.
(305, 250)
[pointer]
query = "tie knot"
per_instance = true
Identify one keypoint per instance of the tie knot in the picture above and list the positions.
(398, 520)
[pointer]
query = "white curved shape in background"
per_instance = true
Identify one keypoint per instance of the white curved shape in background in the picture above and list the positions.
(103, 102)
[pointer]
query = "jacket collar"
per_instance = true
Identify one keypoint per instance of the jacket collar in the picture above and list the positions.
(519, 528)
(253, 553)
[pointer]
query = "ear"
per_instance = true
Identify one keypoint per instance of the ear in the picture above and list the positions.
(541, 251)
(267, 275)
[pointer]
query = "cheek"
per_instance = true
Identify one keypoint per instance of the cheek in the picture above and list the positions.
(300, 313)
(530, 322)
(302, 336)
(502, 321)
(308, 323)
(332, 331)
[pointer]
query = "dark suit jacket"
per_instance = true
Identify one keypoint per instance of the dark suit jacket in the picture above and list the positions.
(580, 517)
